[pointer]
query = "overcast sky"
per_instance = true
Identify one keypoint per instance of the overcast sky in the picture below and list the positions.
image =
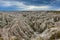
(28, 5)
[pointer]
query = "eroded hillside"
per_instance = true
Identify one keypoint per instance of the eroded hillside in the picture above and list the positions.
(30, 25)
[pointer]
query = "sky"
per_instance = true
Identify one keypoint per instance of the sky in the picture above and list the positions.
(29, 5)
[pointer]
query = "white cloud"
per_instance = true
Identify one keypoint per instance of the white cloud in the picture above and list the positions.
(5, 3)
(37, 7)
(58, 9)
(20, 5)
(31, 7)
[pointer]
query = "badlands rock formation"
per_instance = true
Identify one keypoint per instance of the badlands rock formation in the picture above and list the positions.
(30, 25)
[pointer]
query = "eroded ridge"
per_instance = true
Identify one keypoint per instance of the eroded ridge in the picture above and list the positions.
(29, 26)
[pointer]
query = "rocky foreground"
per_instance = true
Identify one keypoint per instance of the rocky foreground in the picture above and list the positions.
(38, 25)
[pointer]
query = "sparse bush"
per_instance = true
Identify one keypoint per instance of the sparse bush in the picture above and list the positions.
(1, 38)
